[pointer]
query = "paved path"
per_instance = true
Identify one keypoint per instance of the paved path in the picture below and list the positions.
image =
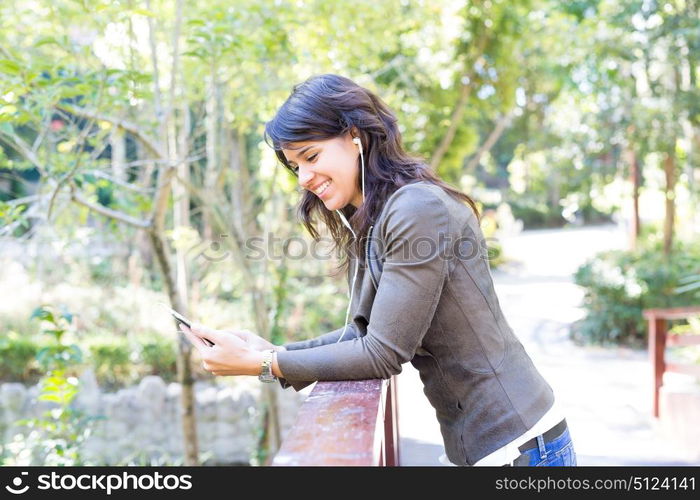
(605, 392)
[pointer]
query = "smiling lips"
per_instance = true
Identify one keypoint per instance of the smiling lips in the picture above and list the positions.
(322, 188)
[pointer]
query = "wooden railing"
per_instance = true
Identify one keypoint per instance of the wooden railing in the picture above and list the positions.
(345, 423)
(659, 340)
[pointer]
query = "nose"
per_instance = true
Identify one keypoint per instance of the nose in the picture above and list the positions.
(305, 177)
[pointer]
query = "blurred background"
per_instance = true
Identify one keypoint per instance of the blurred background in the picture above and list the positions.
(133, 173)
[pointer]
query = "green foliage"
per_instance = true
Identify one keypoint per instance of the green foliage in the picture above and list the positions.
(115, 361)
(118, 362)
(620, 284)
(157, 356)
(54, 322)
(56, 437)
(18, 358)
(13, 215)
(110, 359)
(535, 215)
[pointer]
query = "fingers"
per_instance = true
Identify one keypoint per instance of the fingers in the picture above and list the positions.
(209, 335)
(244, 335)
(238, 334)
(195, 340)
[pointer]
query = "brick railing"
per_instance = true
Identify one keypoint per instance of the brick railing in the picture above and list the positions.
(345, 423)
(659, 339)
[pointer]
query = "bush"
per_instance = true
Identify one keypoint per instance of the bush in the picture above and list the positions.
(115, 361)
(111, 361)
(592, 215)
(18, 356)
(118, 362)
(620, 284)
(159, 357)
(536, 215)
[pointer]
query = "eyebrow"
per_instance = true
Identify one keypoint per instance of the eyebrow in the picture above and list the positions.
(302, 150)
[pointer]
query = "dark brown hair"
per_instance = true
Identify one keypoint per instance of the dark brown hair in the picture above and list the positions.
(328, 106)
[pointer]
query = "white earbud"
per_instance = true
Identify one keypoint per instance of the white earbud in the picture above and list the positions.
(357, 141)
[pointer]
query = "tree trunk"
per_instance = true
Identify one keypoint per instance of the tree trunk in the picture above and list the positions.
(181, 204)
(635, 180)
(669, 167)
(184, 367)
(213, 126)
(235, 149)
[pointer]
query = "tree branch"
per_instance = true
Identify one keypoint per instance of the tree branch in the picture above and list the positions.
(26, 199)
(108, 212)
(16, 143)
(493, 137)
(127, 185)
(132, 128)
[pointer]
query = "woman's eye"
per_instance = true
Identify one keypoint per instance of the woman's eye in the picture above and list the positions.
(295, 168)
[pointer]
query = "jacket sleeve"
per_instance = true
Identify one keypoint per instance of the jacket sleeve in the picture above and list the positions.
(415, 269)
(326, 338)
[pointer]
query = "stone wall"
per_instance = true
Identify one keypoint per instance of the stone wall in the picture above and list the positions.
(142, 424)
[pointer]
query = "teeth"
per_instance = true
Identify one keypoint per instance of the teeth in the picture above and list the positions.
(323, 187)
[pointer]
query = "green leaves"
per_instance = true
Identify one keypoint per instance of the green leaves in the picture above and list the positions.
(55, 321)
(6, 128)
(10, 67)
(145, 12)
(50, 40)
(56, 437)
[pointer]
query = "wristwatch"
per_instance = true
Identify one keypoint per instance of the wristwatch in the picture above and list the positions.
(266, 373)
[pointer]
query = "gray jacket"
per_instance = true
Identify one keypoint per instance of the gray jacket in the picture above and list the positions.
(425, 294)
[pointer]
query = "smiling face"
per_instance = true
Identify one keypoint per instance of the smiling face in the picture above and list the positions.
(329, 169)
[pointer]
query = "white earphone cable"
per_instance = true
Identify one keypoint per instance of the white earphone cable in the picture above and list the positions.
(357, 141)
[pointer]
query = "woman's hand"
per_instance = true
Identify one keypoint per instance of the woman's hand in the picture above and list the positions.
(230, 354)
(255, 341)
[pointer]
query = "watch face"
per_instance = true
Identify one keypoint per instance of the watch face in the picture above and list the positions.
(266, 375)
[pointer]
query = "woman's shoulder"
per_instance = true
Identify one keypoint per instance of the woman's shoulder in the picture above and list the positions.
(415, 193)
(419, 202)
(416, 198)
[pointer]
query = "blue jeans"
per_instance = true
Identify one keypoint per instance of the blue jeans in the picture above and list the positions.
(558, 452)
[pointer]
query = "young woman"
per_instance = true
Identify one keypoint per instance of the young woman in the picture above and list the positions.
(424, 293)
